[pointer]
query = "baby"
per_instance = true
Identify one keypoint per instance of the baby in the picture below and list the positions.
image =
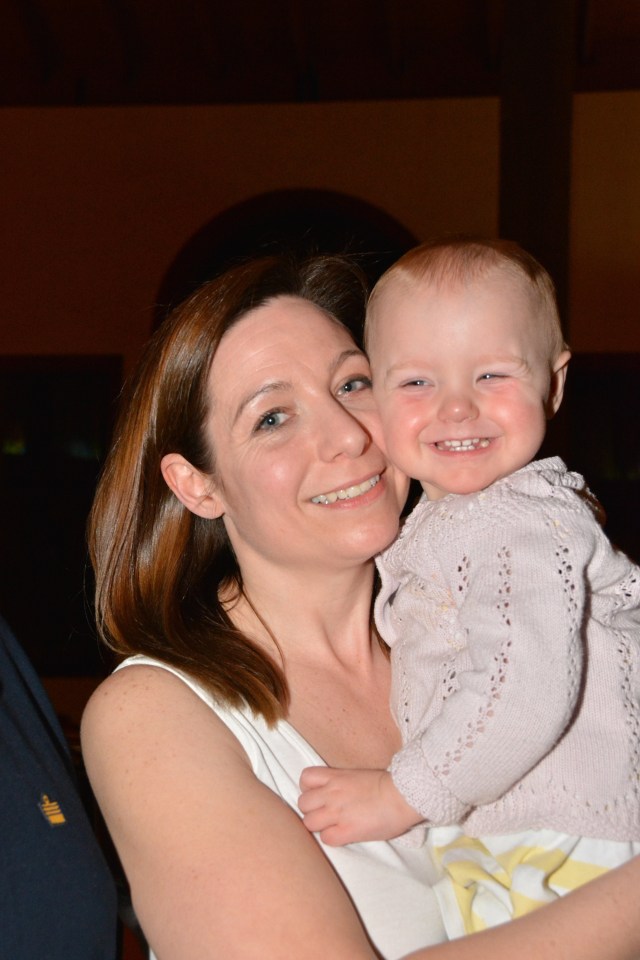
(514, 625)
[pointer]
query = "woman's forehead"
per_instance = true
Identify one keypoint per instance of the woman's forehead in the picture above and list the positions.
(285, 328)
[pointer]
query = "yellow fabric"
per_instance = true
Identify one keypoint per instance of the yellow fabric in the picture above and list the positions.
(498, 878)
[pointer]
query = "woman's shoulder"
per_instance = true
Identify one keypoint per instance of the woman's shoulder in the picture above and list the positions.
(134, 686)
(134, 707)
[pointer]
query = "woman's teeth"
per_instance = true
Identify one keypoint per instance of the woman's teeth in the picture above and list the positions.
(349, 493)
(461, 446)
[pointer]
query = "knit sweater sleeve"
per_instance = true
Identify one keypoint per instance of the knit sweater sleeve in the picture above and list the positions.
(522, 613)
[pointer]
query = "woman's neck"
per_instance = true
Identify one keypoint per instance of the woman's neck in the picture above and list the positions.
(310, 615)
(319, 630)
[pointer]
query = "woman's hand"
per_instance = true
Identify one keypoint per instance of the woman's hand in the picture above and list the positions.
(347, 806)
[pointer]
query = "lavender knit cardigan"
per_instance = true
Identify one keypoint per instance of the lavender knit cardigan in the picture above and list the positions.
(514, 628)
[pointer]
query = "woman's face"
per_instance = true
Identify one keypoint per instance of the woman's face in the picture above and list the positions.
(298, 479)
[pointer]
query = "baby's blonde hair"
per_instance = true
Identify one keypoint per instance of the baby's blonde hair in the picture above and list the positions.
(461, 260)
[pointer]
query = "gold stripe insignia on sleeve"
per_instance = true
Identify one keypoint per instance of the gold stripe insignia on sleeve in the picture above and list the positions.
(51, 811)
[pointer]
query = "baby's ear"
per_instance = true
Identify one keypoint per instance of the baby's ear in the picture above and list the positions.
(193, 488)
(558, 380)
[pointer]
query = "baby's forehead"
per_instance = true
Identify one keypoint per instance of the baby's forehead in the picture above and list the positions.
(525, 315)
(420, 282)
(414, 286)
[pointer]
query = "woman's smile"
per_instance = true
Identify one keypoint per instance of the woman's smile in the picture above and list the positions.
(347, 493)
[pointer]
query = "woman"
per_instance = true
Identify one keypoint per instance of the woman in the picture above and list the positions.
(232, 537)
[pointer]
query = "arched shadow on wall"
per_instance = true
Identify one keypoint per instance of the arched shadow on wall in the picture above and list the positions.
(304, 222)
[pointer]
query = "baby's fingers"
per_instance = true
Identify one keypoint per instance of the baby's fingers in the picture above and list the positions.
(336, 835)
(310, 800)
(318, 820)
(313, 777)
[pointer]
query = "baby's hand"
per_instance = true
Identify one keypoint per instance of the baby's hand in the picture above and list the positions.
(346, 806)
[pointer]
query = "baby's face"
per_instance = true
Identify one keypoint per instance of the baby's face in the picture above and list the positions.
(463, 380)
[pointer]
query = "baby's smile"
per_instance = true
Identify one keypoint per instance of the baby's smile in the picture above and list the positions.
(462, 446)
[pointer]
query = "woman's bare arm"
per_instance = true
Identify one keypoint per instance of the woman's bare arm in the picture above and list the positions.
(222, 869)
(600, 921)
(219, 866)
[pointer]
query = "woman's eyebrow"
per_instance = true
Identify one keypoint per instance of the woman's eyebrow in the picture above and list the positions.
(272, 386)
(345, 355)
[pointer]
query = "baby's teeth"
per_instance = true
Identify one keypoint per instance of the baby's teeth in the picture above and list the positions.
(464, 444)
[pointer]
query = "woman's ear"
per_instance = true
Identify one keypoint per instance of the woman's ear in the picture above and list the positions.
(192, 487)
(558, 380)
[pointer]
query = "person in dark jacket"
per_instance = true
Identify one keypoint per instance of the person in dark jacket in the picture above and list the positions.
(57, 896)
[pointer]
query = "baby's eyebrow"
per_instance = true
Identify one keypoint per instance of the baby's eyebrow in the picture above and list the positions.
(520, 363)
(406, 366)
(501, 358)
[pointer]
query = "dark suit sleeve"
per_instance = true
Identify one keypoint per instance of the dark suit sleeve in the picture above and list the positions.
(57, 898)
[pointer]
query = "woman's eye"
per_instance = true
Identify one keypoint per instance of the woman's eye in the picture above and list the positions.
(271, 420)
(354, 385)
(492, 376)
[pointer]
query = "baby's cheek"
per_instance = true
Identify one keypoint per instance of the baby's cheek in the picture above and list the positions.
(378, 433)
(401, 484)
(369, 417)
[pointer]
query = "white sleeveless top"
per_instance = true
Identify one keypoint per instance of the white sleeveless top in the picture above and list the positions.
(390, 884)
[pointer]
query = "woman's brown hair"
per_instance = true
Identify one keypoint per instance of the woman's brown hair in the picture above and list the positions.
(158, 567)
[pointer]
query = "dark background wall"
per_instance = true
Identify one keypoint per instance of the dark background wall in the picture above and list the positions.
(143, 144)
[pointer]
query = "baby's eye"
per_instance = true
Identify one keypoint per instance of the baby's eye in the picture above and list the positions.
(271, 420)
(418, 382)
(492, 376)
(354, 385)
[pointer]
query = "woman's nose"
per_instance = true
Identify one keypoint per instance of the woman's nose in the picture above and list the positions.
(342, 435)
(457, 406)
